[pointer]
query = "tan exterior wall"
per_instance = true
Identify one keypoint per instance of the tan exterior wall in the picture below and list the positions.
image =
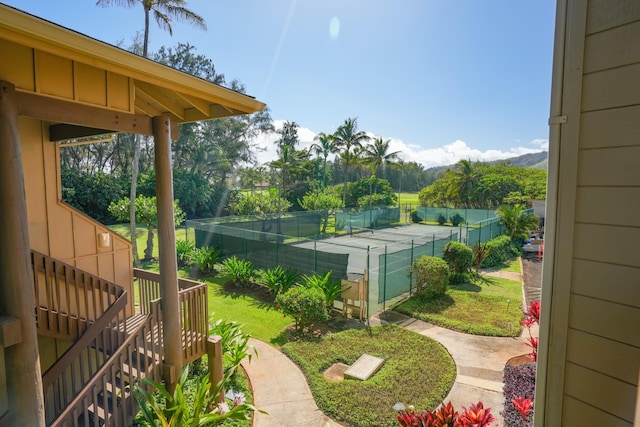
(593, 351)
(60, 231)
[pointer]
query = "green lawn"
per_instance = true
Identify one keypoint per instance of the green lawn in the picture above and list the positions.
(417, 370)
(409, 198)
(490, 306)
(141, 236)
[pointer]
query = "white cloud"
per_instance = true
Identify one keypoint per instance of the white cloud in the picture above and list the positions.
(447, 154)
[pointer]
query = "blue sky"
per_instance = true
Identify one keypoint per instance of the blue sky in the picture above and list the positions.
(443, 79)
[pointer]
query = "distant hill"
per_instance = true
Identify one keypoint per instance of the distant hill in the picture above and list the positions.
(532, 160)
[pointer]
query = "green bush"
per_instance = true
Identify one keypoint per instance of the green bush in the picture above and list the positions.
(235, 343)
(305, 305)
(456, 220)
(205, 259)
(414, 216)
(459, 258)
(184, 251)
(330, 288)
(277, 279)
(431, 275)
(501, 249)
(237, 271)
(441, 219)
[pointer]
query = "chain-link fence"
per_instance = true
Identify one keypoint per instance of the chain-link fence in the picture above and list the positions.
(363, 242)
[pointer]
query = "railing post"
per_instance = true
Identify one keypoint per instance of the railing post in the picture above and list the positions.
(216, 370)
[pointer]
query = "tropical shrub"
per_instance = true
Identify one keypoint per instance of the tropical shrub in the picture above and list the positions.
(331, 288)
(441, 219)
(517, 223)
(456, 220)
(481, 252)
(205, 259)
(184, 252)
(459, 258)
(236, 271)
(431, 275)
(501, 249)
(414, 216)
(277, 279)
(159, 407)
(305, 305)
(519, 386)
(445, 416)
(235, 343)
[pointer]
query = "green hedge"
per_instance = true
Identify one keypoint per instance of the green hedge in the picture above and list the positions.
(501, 249)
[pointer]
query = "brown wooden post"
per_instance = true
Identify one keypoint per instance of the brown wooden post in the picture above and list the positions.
(167, 252)
(22, 360)
(216, 369)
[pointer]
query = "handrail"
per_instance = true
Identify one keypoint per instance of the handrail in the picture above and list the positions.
(194, 317)
(68, 299)
(63, 363)
(89, 400)
(73, 304)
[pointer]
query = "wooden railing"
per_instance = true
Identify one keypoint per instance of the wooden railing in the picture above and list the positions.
(108, 398)
(75, 305)
(67, 299)
(194, 315)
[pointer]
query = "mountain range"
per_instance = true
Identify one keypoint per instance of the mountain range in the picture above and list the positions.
(531, 160)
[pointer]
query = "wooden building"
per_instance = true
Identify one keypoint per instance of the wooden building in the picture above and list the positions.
(71, 359)
(589, 355)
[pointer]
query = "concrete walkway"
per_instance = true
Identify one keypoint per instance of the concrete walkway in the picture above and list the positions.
(281, 389)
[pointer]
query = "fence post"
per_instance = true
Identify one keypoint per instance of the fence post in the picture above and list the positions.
(315, 256)
(433, 245)
(368, 275)
(384, 281)
(410, 270)
(244, 242)
(216, 370)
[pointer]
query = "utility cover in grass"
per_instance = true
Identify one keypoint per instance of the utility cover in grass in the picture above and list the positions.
(364, 367)
(417, 370)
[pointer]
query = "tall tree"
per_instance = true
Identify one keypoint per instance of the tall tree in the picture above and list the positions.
(324, 146)
(164, 13)
(349, 138)
(377, 154)
(466, 179)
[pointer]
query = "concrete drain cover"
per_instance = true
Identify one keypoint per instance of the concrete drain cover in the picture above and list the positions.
(364, 367)
(335, 372)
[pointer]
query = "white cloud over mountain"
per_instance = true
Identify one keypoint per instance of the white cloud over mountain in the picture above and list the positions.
(438, 156)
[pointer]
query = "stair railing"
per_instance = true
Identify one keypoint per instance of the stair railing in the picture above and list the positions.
(75, 305)
(107, 399)
(194, 314)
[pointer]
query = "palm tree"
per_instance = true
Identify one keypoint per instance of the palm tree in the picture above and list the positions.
(349, 138)
(164, 12)
(324, 146)
(466, 178)
(517, 223)
(377, 154)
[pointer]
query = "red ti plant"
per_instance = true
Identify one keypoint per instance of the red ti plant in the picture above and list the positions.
(523, 406)
(475, 416)
(532, 317)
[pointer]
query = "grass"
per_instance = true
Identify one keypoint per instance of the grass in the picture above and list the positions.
(409, 199)
(141, 236)
(512, 266)
(488, 306)
(417, 369)
(259, 318)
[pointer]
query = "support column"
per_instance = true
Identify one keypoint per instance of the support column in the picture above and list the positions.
(22, 360)
(167, 252)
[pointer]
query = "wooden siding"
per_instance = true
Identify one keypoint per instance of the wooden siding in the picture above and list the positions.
(48, 74)
(602, 337)
(57, 229)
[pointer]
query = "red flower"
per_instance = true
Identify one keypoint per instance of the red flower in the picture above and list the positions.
(534, 311)
(475, 416)
(523, 406)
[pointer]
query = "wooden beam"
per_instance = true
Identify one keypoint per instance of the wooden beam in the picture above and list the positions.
(65, 131)
(61, 111)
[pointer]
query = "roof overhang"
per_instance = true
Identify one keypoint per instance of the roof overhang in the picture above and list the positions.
(150, 89)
